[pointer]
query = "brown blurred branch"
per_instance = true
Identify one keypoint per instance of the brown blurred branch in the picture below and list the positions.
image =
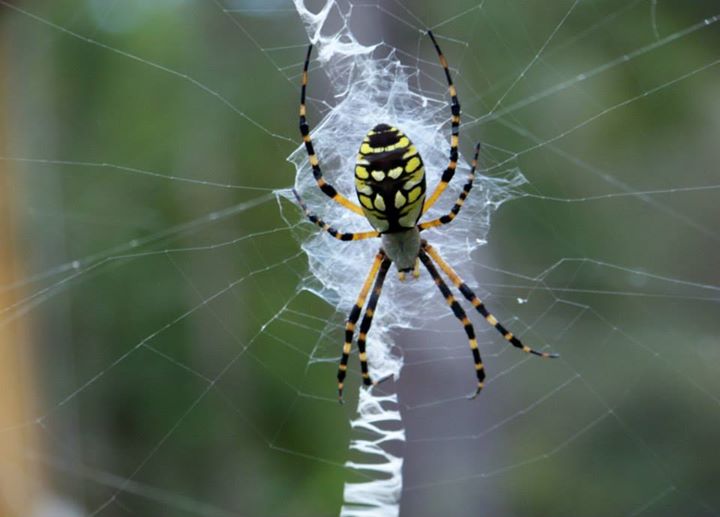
(20, 477)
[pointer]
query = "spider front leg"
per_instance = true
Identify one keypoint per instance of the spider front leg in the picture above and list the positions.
(342, 236)
(455, 210)
(462, 317)
(480, 306)
(326, 188)
(455, 131)
(353, 318)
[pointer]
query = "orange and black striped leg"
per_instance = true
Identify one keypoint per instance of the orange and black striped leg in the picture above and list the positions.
(327, 189)
(455, 131)
(353, 318)
(480, 306)
(460, 315)
(460, 200)
(368, 317)
(342, 236)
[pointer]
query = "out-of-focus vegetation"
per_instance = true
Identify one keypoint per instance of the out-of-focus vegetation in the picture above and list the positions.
(181, 380)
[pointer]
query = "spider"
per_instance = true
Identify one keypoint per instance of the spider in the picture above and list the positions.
(390, 185)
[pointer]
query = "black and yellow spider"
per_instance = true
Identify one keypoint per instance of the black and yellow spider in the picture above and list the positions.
(390, 185)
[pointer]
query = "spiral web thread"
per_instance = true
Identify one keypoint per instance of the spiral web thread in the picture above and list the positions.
(371, 85)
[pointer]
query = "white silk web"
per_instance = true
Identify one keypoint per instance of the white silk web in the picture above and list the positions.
(370, 85)
(186, 321)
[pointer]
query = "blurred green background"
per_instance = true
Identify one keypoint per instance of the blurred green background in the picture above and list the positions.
(174, 355)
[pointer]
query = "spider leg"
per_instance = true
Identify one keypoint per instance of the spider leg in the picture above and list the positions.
(342, 236)
(480, 306)
(327, 189)
(352, 320)
(368, 316)
(455, 128)
(461, 316)
(460, 200)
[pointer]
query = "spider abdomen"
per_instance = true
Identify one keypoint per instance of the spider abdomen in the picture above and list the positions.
(390, 180)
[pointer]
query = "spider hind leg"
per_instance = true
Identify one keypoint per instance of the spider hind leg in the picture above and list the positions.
(460, 314)
(352, 321)
(378, 271)
(367, 320)
(480, 306)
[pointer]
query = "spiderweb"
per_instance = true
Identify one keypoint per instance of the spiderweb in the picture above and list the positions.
(186, 322)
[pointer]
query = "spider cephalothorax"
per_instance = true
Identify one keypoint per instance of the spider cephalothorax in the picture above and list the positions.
(390, 185)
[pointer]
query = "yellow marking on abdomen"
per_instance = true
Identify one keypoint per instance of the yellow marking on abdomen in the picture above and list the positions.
(412, 164)
(410, 152)
(414, 194)
(378, 175)
(408, 220)
(415, 179)
(366, 201)
(395, 173)
(363, 187)
(379, 202)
